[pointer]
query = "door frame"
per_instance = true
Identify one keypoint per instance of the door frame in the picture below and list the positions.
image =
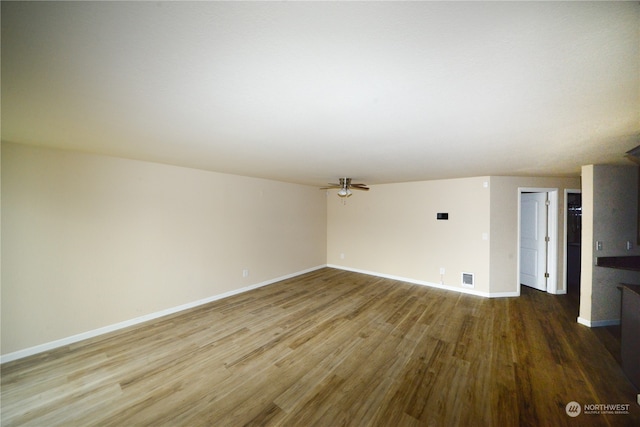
(567, 191)
(552, 229)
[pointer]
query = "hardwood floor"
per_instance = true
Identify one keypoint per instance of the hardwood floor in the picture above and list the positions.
(331, 348)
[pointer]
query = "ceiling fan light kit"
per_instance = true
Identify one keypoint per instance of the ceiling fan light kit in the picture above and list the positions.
(345, 186)
(344, 192)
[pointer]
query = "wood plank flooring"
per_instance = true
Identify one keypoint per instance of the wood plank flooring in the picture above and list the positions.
(331, 348)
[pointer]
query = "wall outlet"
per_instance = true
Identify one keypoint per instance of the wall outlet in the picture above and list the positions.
(629, 245)
(441, 270)
(245, 272)
(598, 245)
(342, 256)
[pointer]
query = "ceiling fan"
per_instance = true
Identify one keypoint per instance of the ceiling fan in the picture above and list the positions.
(345, 187)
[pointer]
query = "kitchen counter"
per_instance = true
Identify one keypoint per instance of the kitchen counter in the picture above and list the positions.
(631, 262)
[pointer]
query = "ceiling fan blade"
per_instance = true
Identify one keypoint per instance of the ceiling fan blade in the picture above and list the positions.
(345, 183)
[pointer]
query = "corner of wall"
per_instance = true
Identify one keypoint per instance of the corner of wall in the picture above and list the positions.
(609, 221)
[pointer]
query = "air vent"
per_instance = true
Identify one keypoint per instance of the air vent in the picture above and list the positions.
(467, 280)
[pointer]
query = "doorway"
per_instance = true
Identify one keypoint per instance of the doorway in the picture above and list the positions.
(537, 238)
(573, 224)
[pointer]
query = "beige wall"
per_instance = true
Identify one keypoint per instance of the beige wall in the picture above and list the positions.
(392, 230)
(90, 241)
(586, 249)
(610, 209)
(504, 227)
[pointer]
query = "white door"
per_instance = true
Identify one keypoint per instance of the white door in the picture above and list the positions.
(533, 245)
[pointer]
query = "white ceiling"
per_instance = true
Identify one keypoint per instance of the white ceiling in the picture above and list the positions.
(310, 91)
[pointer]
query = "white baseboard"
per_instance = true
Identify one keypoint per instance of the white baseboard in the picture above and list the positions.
(504, 294)
(430, 284)
(152, 316)
(598, 323)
